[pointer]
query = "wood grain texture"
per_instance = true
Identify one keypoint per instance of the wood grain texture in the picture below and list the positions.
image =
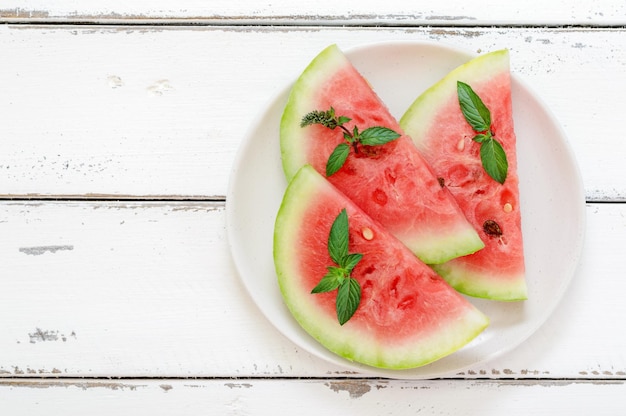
(321, 12)
(155, 112)
(312, 397)
(118, 300)
(121, 289)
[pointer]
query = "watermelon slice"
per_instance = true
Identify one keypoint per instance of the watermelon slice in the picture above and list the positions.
(408, 316)
(441, 133)
(391, 183)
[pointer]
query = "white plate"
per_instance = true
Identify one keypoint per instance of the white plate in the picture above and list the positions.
(551, 193)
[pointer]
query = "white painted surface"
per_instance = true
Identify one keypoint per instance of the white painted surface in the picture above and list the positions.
(312, 397)
(161, 111)
(148, 289)
(145, 290)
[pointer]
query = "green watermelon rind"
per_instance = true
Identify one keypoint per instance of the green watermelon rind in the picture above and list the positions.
(438, 247)
(417, 122)
(344, 341)
(293, 155)
(481, 285)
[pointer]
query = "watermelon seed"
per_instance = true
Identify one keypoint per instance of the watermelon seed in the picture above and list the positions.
(507, 207)
(461, 145)
(492, 228)
(367, 233)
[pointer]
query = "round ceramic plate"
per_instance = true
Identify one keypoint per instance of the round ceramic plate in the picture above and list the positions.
(551, 194)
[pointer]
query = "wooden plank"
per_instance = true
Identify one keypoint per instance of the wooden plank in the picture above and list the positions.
(160, 111)
(392, 12)
(311, 397)
(120, 289)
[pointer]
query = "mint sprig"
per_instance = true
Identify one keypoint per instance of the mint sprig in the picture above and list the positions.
(478, 116)
(338, 276)
(372, 136)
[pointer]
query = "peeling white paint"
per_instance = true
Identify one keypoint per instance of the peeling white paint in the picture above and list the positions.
(46, 335)
(321, 12)
(115, 81)
(238, 385)
(160, 87)
(39, 250)
(355, 388)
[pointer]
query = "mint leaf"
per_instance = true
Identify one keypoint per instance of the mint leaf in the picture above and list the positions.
(350, 261)
(492, 155)
(338, 237)
(376, 136)
(494, 160)
(337, 158)
(481, 138)
(329, 282)
(473, 108)
(348, 299)
(349, 289)
(343, 120)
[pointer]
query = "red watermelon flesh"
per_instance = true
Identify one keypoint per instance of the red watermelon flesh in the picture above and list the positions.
(441, 133)
(391, 183)
(408, 315)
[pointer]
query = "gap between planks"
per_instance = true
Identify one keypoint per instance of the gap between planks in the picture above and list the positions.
(303, 21)
(186, 198)
(61, 380)
(112, 198)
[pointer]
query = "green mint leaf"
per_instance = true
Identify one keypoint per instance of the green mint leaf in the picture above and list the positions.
(343, 120)
(478, 116)
(337, 158)
(339, 273)
(480, 138)
(348, 299)
(473, 108)
(375, 136)
(494, 160)
(338, 237)
(350, 261)
(349, 289)
(329, 282)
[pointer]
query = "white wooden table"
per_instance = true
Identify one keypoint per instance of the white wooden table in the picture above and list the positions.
(119, 124)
